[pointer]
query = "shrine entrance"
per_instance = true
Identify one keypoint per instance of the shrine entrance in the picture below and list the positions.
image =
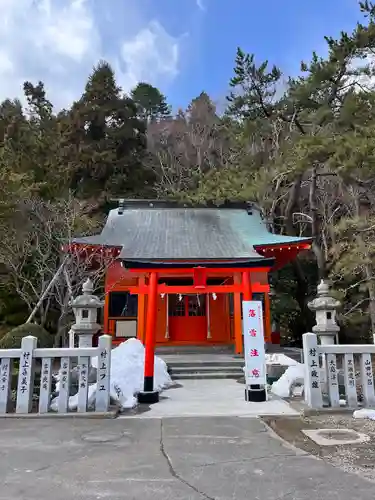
(187, 318)
(188, 313)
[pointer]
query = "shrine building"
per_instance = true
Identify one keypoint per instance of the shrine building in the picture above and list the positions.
(177, 274)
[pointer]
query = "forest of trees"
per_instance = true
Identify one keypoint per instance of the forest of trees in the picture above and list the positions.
(303, 149)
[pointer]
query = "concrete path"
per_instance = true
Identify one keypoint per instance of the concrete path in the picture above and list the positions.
(222, 458)
(199, 398)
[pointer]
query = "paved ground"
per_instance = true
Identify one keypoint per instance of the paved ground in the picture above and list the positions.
(222, 458)
(200, 398)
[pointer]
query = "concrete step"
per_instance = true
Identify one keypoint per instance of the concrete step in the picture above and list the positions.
(205, 368)
(204, 364)
(181, 350)
(207, 375)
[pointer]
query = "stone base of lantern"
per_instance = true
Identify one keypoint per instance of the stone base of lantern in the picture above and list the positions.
(85, 340)
(327, 338)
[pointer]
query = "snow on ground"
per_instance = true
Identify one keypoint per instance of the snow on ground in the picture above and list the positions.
(293, 375)
(127, 372)
(280, 359)
(365, 413)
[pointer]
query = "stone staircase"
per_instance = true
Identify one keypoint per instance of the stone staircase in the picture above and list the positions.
(202, 363)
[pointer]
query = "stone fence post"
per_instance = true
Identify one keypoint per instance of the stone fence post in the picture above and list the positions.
(25, 387)
(313, 390)
(103, 374)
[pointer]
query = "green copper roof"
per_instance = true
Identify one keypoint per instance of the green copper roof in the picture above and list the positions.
(253, 229)
(186, 233)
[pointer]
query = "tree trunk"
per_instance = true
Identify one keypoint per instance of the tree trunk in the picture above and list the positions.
(301, 281)
(62, 323)
(371, 295)
(367, 269)
(316, 248)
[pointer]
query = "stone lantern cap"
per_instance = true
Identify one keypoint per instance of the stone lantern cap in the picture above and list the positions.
(87, 300)
(324, 301)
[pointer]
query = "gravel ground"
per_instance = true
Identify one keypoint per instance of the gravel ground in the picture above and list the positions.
(355, 458)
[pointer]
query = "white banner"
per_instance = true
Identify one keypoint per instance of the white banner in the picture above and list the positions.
(255, 355)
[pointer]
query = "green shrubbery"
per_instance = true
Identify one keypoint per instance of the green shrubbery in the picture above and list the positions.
(13, 338)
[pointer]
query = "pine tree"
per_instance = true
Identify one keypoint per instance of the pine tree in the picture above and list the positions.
(151, 103)
(109, 138)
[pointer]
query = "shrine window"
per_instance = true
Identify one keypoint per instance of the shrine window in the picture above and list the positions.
(123, 305)
(176, 305)
(196, 305)
(187, 305)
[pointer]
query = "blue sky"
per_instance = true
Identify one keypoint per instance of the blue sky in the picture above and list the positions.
(284, 32)
(181, 46)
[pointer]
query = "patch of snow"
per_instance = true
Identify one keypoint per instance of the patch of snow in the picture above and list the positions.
(293, 375)
(297, 391)
(280, 359)
(365, 413)
(277, 360)
(126, 376)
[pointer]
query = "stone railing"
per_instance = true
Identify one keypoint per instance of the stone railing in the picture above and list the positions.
(32, 360)
(326, 364)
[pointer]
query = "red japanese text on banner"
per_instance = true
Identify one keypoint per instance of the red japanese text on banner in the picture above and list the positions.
(255, 356)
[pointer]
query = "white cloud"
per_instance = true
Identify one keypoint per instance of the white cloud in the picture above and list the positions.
(363, 80)
(59, 41)
(150, 54)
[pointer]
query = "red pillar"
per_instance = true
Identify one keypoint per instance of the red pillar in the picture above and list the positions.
(246, 285)
(238, 337)
(267, 318)
(149, 395)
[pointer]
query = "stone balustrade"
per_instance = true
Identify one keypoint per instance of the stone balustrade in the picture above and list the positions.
(29, 357)
(325, 363)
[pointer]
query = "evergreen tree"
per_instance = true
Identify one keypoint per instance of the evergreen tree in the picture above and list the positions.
(151, 103)
(109, 138)
(40, 106)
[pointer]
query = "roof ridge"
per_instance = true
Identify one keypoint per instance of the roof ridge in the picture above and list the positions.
(124, 203)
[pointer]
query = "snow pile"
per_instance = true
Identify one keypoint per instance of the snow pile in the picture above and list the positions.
(126, 379)
(293, 375)
(365, 413)
(280, 359)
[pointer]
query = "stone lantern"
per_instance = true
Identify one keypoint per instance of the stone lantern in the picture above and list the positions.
(325, 307)
(85, 308)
